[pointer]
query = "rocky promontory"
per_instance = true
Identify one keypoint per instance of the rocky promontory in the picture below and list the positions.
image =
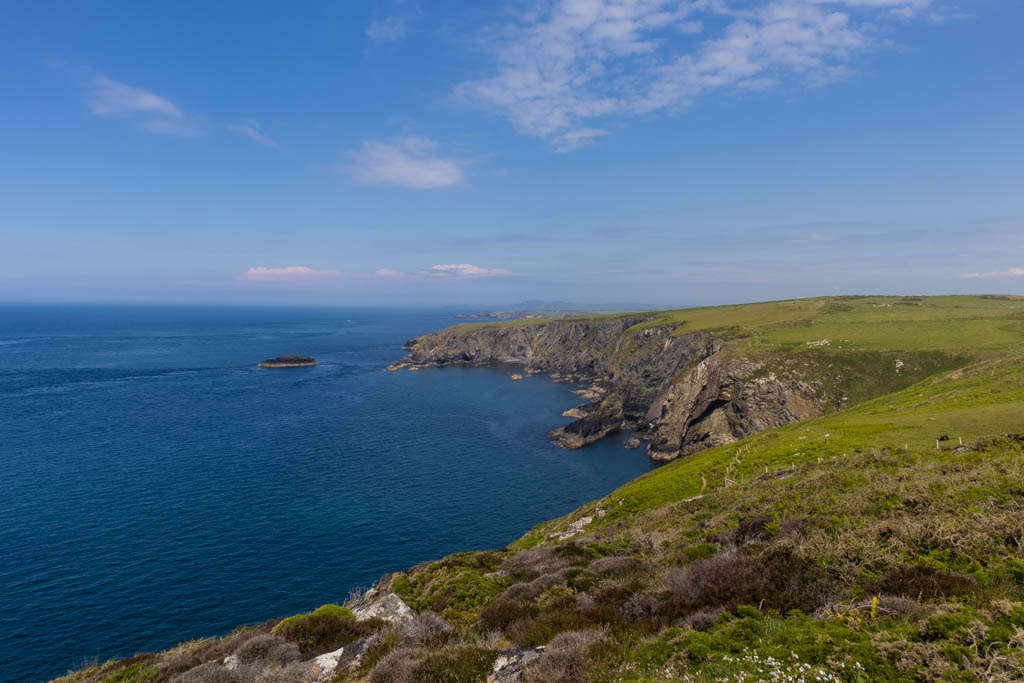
(680, 391)
(290, 361)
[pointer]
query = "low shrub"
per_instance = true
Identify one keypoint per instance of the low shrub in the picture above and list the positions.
(316, 634)
(565, 658)
(923, 582)
(778, 579)
(703, 619)
(398, 666)
(454, 664)
(268, 648)
(616, 565)
(529, 564)
(756, 528)
(423, 629)
(462, 664)
(133, 673)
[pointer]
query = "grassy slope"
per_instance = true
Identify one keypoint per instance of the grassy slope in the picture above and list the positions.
(811, 523)
(873, 497)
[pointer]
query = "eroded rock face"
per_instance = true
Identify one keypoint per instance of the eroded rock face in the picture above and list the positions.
(680, 392)
(721, 400)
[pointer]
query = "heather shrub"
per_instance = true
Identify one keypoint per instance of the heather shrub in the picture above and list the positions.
(615, 565)
(423, 629)
(565, 658)
(453, 664)
(192, 654)
(210, 672)
(756, 528)
(461, 664)
(268, 648)
(779, 579)
(398, 666)
(923, 582)
(319, 633)
(500, 614)
(544, 626)
(902, 607)
(530, 591)
(703, 619)
(638, 607)
(529, 564)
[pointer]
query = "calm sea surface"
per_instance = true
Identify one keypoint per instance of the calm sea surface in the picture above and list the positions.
(156, 486)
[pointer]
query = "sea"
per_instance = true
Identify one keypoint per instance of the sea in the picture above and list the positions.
(156, 486)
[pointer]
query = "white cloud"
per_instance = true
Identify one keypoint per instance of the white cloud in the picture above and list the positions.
(573, 61)
(575, 139)
(462, 270)
(250, 129)
(150, 111)
(409, 161)
(1009, 272)
(287, 274)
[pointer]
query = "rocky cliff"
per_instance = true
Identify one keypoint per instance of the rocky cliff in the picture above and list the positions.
(680, 392)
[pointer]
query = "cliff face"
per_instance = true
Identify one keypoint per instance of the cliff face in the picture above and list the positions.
(681, 392)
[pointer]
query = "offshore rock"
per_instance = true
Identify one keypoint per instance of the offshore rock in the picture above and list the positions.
(291, 361)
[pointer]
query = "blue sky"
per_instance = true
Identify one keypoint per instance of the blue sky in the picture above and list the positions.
(597, 151)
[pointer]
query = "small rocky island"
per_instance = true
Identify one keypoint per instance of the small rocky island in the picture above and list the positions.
(291, 361)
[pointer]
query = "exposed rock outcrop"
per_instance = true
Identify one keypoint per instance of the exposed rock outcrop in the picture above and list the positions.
(377, 603)
(681, 392)
(508, 667)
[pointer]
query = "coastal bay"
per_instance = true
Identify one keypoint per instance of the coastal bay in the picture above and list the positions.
(158, 486)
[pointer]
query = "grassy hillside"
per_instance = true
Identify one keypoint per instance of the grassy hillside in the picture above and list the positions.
(882, 542)
(983, 324)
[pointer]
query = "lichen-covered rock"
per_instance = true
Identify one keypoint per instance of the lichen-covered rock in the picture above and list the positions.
(379, 604)
(508, 667)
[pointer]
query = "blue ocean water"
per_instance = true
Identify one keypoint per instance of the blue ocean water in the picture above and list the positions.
(156, 486)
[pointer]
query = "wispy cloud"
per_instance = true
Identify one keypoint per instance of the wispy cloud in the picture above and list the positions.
(443, 271)
(462, 270)
(150, 111)
(576, 139)
(1009, 272)
(250, 129)
(287, 274)
(573, 61)
(410, 161)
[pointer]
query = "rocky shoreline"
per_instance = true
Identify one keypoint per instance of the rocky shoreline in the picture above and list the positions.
(679, 392)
